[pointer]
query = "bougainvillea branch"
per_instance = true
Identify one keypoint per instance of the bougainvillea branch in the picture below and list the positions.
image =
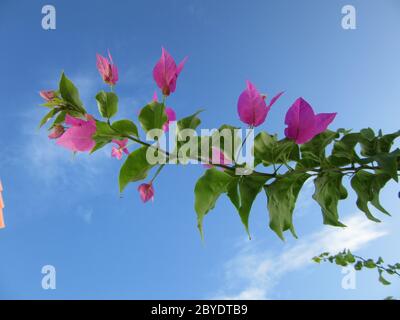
(280, 167)
(347, 258)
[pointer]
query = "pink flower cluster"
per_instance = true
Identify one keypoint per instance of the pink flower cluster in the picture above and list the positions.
(301, 121)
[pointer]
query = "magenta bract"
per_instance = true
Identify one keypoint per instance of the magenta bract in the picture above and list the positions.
(303, 124)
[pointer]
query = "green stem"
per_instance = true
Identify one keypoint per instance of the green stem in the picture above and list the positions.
(157, 172)
(244, 141)
(379, 266)
(315, 171)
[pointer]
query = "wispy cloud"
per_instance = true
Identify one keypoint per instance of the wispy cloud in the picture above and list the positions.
(85, 213)
(254, 271)
(53, 164)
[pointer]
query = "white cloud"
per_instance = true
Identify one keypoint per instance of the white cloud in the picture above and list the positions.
(54, 164)
(253, 272)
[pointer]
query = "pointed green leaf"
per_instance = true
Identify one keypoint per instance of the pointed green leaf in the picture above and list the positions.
(107, 103)
(190, 122)
(233, 193)
(388, 162)
(153, 116)
(385, 142)
(368, 186)
(328, 191)
(70, 93)
(135, 168)
(282, 195)
(59, 119)
(48, 116)
(343, 152)
(268, 150)
(313, 152)
(249, 188)
(368, 134)
(207, 191)
(125, 127)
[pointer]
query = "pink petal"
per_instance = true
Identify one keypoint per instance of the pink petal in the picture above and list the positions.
(155, 98)
(102, 64)
(252, 108)
(300, 120)
(47, 95)
(171, 116)
(71, 121)
(79, 136)
(165, 72)
(121, 143)
(110, 57)
(115, 77)
(323, 120)
(146, 192)
(116, 153)
(169, 66)
(274, 99)
(56, 132)
(180, 66)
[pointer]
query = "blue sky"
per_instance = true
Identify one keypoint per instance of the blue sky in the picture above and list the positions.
(67, 211)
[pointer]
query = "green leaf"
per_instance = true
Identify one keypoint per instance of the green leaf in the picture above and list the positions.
(328, 191)
(358, 266)
(385, 142)
(126, 128)
(242, 192)
(48, 116)
(369, 264)
(268, 150)
(388, 163)
(100, 143)
(343, 152)
(107, 103)
(104, 130)
(207, 191)
(317, 259)
(55, 102)
(103, 135)
(340, 260)
(349, 257)
(153, 116)
(313, 152)
(233, 193)
(70, 93)
(282, 195)
(368, 186)
(59, 119)
(190, 122)
(135, 168)
(368, 134)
